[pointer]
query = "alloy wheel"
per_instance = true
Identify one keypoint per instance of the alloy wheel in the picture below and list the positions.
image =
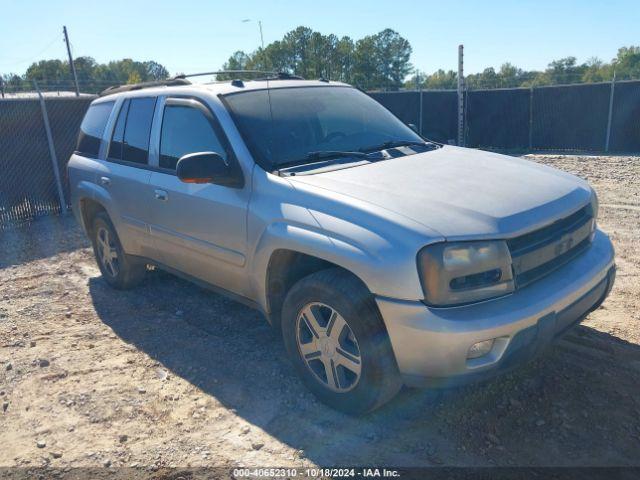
(328, 347)
(107, 253)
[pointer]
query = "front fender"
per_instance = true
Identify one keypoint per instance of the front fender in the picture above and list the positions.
(385, 270)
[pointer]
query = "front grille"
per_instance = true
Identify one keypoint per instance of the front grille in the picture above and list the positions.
(538, 253)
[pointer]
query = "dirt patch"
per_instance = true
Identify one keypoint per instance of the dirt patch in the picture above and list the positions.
(171, 375)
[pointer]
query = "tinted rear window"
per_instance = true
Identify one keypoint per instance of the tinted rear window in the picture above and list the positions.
(115, 148)
(130, 140)
(92, 128)
(138, 129)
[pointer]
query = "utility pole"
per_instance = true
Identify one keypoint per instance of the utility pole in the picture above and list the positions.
(460, 96)
(261, 37)
(73, 67)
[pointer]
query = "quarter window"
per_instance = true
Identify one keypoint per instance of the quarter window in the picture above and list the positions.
(92, 128)
(186, 130)
(117, 140)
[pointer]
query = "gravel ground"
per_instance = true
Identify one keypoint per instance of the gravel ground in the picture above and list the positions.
(171, 375)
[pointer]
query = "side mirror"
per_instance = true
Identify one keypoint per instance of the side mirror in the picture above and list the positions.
(207, 167)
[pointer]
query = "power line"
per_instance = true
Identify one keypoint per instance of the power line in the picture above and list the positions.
(28, 59)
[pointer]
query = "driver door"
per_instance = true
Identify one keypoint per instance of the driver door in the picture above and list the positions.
(198, 229)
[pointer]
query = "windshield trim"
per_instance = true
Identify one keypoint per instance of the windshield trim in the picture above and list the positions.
(266, 165)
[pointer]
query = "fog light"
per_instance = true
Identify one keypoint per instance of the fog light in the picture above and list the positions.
(479, 349)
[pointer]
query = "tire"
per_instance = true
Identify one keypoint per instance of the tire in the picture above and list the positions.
(122, 271)
(336, 299)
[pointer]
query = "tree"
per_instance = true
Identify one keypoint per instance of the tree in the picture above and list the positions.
(392, 53)
(134, 77)
(365, 67)
(343, 60)
(375, 61)
(627, 63)
(298, 46)
(155, 71)
(238, 61)
(47, 72)
(441, 80)
(92, 76)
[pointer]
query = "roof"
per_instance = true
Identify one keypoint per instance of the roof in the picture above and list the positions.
(214, 88)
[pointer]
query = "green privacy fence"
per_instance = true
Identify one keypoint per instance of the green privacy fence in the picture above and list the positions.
(564, 117)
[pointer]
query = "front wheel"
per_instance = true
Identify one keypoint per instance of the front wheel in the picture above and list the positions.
(338, 343)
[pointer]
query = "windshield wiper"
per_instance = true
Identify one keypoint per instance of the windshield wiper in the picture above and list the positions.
(395, 143)
(322, 155)
(316, 157)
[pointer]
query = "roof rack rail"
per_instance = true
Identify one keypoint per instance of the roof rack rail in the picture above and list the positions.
(169, 82)
(182, 80)
(268, 74)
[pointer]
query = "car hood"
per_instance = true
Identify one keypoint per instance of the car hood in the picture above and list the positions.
(461, 193)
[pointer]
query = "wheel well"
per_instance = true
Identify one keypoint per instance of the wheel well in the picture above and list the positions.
(286, 267)
(89, 208)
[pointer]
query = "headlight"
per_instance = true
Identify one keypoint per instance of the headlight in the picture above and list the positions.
(465, 272)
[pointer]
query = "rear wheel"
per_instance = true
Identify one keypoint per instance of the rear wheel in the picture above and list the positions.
(120, 270)
(338, 343)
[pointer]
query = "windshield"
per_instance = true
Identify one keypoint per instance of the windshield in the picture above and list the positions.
(312, 119)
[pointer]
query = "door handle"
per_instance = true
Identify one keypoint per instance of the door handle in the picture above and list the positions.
(161, 195)
(106, 181)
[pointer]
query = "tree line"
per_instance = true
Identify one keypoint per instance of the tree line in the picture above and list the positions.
(379, 61)
(93, 77)
(382, 62)
(374, 62)
(625, 66)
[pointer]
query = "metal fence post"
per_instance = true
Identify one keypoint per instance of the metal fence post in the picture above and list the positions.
(460, 96)
(531, 118)
(613, 87)
(52, 151)
(420, 112)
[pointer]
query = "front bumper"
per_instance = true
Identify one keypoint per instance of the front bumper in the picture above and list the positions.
(431, 344)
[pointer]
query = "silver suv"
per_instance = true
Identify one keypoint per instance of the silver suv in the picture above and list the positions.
(384, 258)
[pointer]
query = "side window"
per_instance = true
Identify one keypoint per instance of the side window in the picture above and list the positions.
(117, 139)
(92, 128)
(130, 140)
(186, 130)
(138, 129)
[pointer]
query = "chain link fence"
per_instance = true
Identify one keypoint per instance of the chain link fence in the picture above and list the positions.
(583, 117)
(29, 186)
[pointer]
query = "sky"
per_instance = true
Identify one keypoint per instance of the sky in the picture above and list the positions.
(193, 36)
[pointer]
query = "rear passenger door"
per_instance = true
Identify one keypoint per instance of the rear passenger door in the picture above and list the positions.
(126, 174)
(200, 229)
